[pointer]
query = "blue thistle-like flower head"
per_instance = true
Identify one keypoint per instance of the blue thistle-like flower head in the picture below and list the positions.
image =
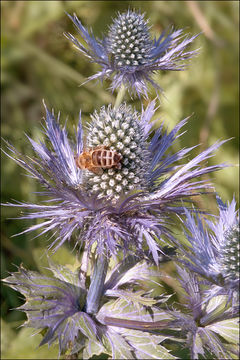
(213, 252)
(122, 207)
(129, 54)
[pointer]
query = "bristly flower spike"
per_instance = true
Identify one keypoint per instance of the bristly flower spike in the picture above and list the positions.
(126, 207)
(129, 55)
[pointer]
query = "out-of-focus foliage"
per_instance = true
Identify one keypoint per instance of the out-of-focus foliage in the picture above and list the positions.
(39, 62)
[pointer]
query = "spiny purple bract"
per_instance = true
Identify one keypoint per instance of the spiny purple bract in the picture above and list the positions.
(55, 305)
(129, 54)
(206, 321)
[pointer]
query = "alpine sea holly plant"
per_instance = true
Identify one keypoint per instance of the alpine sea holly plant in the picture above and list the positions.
(116, 193)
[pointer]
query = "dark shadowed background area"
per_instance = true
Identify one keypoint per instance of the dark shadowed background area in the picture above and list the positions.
(38, 62)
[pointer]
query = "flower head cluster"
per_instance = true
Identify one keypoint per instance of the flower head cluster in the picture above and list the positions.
(214, 252)
(129, 54)
(147, 200)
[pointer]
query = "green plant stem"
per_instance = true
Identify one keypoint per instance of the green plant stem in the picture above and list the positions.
(120, 96)
(97, 284)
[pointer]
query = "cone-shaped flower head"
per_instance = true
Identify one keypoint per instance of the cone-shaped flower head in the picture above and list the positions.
(230, 252)
(124, 195)
(129, 54)
(121, 131)
(214, 250)
(129, 40)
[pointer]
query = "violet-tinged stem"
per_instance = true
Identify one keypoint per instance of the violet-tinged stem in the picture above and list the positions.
(84, 267)
(120, 96)
(97, 284)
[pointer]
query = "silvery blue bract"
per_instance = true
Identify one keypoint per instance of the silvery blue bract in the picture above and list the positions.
(210, 326)
(55, 306)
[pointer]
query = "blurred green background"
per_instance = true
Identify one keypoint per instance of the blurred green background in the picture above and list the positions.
(38, 62)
